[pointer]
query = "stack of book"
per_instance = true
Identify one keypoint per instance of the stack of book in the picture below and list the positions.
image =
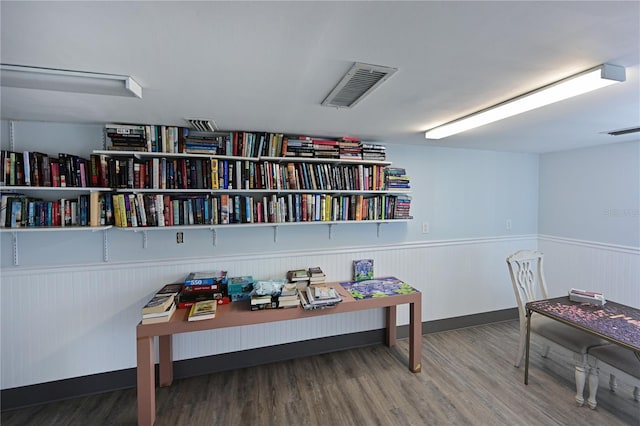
(316, 276)
(202, 310)
(402, 207)
(299, 276)
(199, 142)
(350, 149)
(319, 297)
(373, 151)
(259, 303)
(127, 137)
(325, 148)
(199, 286)
(289, 296)
(162, 305)
(265, 294)
(299, 146)
(396, 178)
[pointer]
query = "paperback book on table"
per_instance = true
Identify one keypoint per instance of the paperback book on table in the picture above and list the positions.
(205, 309)
(158, 304)
(159, 317)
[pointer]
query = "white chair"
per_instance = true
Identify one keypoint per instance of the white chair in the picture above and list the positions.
(620, 363)
(527, 276)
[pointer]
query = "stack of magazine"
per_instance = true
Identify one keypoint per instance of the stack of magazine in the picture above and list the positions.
(319, 297)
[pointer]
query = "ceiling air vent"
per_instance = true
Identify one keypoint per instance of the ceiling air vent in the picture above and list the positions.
(357, 83)
(624, 131)
(202, 124)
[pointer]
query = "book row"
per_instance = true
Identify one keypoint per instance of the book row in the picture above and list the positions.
(37, 169)
(104, 171)
(212, 173)
(139, 210)
(21, 211)
(172, 139)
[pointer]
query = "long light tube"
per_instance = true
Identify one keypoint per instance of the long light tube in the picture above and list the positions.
(592, 79)
(68, 81)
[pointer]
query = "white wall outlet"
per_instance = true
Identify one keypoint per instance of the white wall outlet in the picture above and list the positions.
(508, 225)
(425, 227)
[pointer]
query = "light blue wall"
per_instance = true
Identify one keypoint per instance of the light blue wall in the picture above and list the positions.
(460, 193)
(592, 194)
(466, 193)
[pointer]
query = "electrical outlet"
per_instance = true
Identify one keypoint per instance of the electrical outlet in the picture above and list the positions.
(425, 227)
(179, 237)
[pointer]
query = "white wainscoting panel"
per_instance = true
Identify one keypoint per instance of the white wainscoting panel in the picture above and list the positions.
(611, 269)
(77, 320)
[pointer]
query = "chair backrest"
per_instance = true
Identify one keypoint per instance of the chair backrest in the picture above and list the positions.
(527, 276)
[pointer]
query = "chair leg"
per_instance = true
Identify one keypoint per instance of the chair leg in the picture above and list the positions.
(580, 380)
(593, 387)
(521, 344)
(545, 351)
(613, 383)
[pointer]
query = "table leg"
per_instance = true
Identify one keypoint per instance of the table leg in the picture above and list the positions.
(391, 326)
(526, 358)
(165, 356)
(146, 381)
(415, 337)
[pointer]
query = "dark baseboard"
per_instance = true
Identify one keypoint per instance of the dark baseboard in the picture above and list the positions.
(76, 387)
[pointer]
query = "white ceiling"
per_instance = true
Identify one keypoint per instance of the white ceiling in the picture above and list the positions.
(268, 65)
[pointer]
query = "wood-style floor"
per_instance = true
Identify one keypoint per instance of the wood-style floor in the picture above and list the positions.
(467, 378)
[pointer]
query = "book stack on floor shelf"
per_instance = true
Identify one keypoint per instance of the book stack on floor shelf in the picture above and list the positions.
(162, 305)
(198, 286)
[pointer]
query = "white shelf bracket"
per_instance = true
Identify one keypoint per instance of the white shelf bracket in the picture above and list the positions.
(275, 234)
(378, 230)
(105, 245)
(15, 248)
(330, 231)
(214, 235)
(145, 242)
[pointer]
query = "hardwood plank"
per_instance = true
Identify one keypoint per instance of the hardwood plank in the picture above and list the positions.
(467, 378)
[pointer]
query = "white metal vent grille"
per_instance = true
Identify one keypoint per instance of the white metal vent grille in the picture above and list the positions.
(202, 125)
(357, 83)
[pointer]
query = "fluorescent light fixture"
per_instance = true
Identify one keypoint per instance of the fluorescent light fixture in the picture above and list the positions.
(592, 79)
(68, 81)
